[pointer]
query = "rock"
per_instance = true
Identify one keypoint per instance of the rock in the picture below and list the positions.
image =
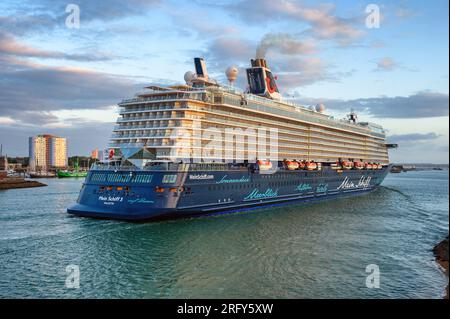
(441, 250)
(441, 253)
(16, 182)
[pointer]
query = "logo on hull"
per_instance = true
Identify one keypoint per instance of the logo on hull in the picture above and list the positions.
(226, 180)
(363, 182)
(200, 176)
(256, 194)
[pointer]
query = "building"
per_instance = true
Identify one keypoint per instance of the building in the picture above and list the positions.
(95, 154)
(47, 151)
(3, 160)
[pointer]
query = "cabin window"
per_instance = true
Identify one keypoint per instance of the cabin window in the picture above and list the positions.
(142, 178)
(169, 178)
(118, 178)
(97, 177)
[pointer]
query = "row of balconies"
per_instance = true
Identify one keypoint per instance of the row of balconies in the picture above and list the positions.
(311, 154)
(146, 118)
(169, 96)
(303, 139)
(152, 108)
(239, 118)
(164, 139)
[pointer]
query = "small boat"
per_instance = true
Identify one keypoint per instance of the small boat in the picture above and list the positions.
(311, 166)
(75, 173)
(368, 166)
(347, 165)
(264, 165)
(65, 173)
(292, 165)
(41, 175)
(359, 165)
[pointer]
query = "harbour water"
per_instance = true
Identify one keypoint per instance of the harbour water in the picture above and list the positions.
(315, 251)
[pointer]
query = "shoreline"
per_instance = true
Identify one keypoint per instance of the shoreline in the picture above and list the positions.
(441, 255)
(18, 182)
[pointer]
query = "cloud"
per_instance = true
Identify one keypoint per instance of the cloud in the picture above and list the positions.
(405, 13)
(29, 91)
(423, 104)
(53, 12)
(297, 72)
(107, 10)
(230, 49)
(414, 137)
(10, 46)
(386, 64)
(291, 60)
(24, 23)
(420, 147)
(322, 21)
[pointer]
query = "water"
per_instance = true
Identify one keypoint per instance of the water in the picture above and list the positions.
(316, 251)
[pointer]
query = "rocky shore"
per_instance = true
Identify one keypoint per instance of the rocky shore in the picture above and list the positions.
(18, 182)
(441, 253)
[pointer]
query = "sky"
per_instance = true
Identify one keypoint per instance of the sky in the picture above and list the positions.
(61, 79)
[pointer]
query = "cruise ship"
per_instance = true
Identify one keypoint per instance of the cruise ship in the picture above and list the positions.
(205, 148)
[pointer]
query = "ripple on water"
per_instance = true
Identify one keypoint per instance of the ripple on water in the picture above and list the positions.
(314, 251)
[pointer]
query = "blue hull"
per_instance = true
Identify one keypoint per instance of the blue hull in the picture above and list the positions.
(152, 195)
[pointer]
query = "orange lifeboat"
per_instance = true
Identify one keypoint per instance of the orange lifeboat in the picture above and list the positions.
(292, 165)
(347, 165)
(368, 166)
(310, 166)
(301, 165)
(264, 165)
(380, 166)
(359, 165)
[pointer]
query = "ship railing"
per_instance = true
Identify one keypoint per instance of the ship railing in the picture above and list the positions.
(193, 95)
(149, 109)
(149, 118)
(169, 166)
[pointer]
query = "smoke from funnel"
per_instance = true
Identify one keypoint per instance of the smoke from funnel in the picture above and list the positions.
(266, 42)
(285, 43)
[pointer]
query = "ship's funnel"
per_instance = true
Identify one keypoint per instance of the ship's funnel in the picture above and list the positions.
(200, 68)
(261, 81)
(259, 63)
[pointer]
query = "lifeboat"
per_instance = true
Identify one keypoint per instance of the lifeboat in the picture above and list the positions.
(368, 166)
(264, 165)
(292, 165)
(301, 165)
(374, 166)
(310, 166)
(359, 165)
(380, 166)
(347, 165)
